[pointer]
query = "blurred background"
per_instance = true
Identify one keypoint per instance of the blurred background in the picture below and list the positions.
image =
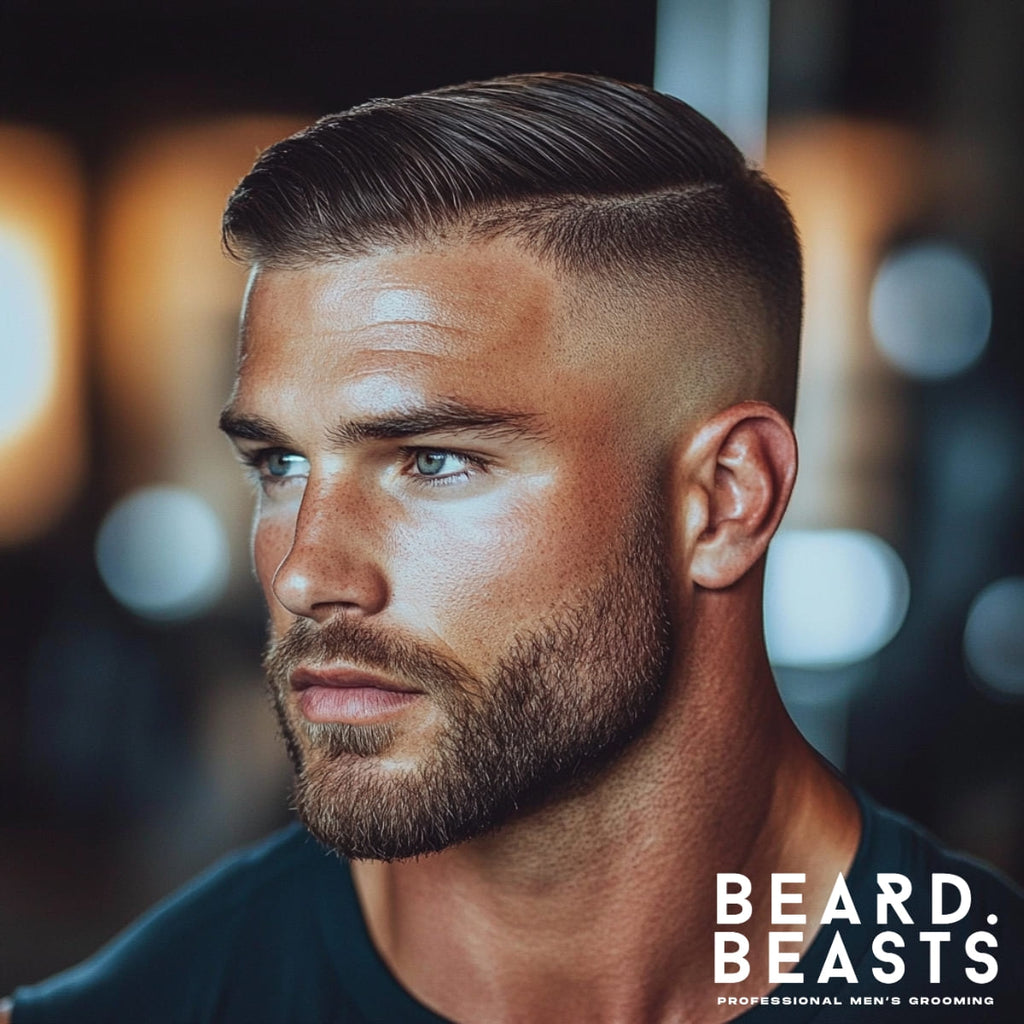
(135, 741)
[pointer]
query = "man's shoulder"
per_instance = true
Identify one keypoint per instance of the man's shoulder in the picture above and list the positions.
(262, 876)
(894, 843)
(263, 870)
(186, 947)
(937, 937)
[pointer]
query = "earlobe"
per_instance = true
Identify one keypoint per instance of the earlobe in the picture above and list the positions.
(742, 468)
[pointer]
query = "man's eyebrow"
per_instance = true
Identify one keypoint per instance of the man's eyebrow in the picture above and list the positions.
(441, 416)
(252, 428)
(437, 417)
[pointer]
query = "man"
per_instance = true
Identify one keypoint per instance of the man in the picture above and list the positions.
(516, 385)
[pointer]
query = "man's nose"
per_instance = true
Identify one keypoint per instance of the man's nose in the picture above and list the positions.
(334, 564)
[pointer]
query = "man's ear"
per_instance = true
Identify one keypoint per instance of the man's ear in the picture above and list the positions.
(740, 468)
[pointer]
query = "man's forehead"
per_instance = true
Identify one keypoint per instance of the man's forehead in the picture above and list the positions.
(487, 322)
(477, 323)
(468, 288)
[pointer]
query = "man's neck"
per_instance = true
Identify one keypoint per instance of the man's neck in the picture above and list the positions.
(602, 906)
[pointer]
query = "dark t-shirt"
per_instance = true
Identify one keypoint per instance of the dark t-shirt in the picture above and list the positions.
(274, 935)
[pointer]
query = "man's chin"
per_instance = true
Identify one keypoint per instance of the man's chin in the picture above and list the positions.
(326, 741)
(380, 808)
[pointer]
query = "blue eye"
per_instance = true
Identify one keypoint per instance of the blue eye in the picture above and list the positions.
(281, 464)
(437, 466)
(276, 466)
(430, 463)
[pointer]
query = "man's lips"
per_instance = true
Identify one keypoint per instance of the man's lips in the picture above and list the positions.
(349, 695)
(346, 678)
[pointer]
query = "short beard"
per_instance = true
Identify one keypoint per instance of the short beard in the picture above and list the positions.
(562, 702)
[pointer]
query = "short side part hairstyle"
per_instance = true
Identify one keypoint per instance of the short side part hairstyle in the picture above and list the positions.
(601, 176)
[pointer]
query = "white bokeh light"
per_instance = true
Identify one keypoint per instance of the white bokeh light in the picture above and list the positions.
(163, 553)
(27, 336)
(931, 310)
(994, 636)
(832, 597)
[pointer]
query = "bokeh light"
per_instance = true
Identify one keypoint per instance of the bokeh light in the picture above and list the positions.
(851, 185)
(832, 597)
(994, 636)
(41, 387)
(931, 310)
(163, 553)
(26, 333)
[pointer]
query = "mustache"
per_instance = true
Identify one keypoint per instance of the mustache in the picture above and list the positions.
(364, 647)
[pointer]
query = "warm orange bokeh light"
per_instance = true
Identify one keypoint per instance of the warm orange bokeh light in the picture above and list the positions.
(41, 423)
(851, 186)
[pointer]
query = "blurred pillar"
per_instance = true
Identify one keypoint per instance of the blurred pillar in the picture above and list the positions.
(852, 187)
(169, 312)
(41, 402)
(714, 55)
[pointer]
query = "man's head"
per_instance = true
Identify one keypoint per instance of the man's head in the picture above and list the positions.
(625, 188)
(508, 355)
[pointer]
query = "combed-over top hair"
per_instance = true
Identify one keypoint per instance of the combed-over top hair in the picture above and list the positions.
(601, 176)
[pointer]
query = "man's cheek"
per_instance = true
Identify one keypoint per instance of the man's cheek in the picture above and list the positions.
(477, 581)
(271, 541)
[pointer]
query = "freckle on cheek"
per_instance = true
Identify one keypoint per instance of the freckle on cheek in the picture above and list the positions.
(271, 543)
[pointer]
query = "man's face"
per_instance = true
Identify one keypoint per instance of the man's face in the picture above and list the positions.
(458, 535)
